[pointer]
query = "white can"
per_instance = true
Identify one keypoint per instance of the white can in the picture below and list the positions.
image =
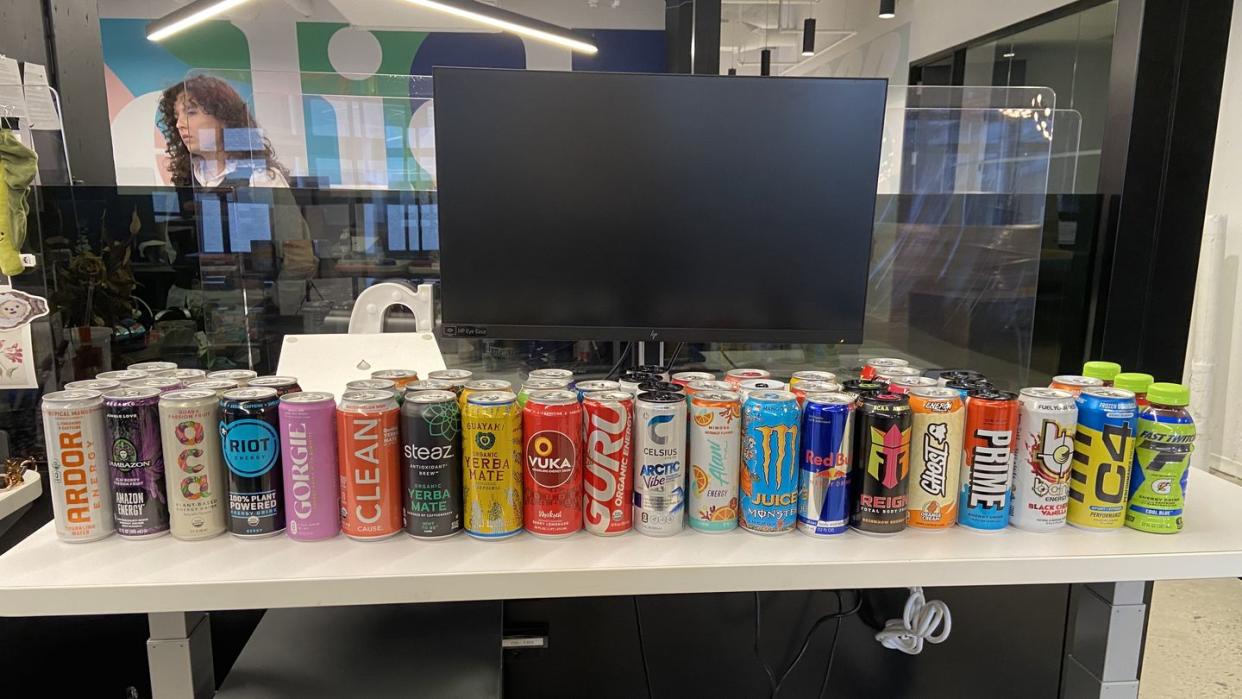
(1047, 420)
(193, 465)
(73, 427)
(715, 456)
(660, 463)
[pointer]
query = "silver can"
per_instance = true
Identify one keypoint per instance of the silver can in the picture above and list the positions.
(217, 385)
(96, 385)
(715, 455)
(660, 463)
(1047, 422)
(240, 376)
(193, 465)
(73, 429)
(123, 375)
(153, 368)
(163, 384)
(185, 376)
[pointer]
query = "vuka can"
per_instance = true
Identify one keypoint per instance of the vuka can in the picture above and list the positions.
(193, 468)
(660, 463)
(73, 427)
(431, 453)
(939, 419)
(1103, 450)
(367, 437)
(825, 462)
(769, 478)
(715, 452)
(987, 469)
(1047, 418)
(136, 462)
(250, 442)
(312, 482)
(491, 452)
(608, 464)
(880, 477)
(552, 463)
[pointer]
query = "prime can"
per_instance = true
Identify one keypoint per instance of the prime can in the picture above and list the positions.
(491, 441)
(880, 478)
(552, 463)
(608, 462)
(431, 458)
(284, 385)
(715, 445)
(1047, 420)
(312, 484)
(826, 456)
(987, 466)
(250, 443)
(136, 462)
(1103, 452)
(938, 419)
(660, 460)
(368, 434)
(769, 473)
(76, 440)
(193, 468)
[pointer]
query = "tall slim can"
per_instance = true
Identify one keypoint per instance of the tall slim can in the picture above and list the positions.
(769, 478)
(312, 485)
(608, 465)
(491, 440)
(987, 469)
(74, 433)
(880, 479)
(368, 437)
(935, 457)
(250, 442)
(136, 462)
(660, 457)
(552, 463)
(715, 457)
(1047, 419)
(825, 463)
(194, 468)
(1103, 452)
(431, 453)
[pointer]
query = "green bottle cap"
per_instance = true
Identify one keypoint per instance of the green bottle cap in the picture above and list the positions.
(1105, 371)
(1168, 394)
(1133, 381)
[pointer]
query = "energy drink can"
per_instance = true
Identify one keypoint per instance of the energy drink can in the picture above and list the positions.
(76, 440)
(769, 473)
(220, 386)
(431, 450)
(737, 376)
(153, 368)
(630, 380)
(372, 385)
(536, 385)
(491, 441)
(250, 442)
(96, 385)
(861, 388)
(944, 376)
(750, 386)
(564, 377)
(889, 373)
(485, 386)
(162, 384)
(400, 377)
(595, 386)
(715, 450)
(1166, 439)
(872, 367)
(966, 387)
(1137, 382)
(185, 376)
(123, 375)
(136, 462)
(368, 434)
(657, 370)
(312, 480)
(683, 378)
(987, 469)
(880, 476)
(811, 375)
(660, 386)
(804, 387)
(1047, 418)
(552, 463)
(1075, 384)
(939, 419)
(284, 385)
(1103, 452)
(1104, 371)
(431, 385)
(457, 378)
(190, 425)
(708, 385)
(824, 464)
(608, 465)
(660, 458)
(907, 384)
(241, 377)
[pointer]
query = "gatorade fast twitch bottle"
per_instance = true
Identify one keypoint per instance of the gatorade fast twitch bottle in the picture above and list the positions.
(1104, 371)
(1166, 438)
(1103, 450)
(1137, 382)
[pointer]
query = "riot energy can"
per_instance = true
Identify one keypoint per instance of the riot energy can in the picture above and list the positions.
(1103, 450)
(935, 457)
(250, 442)
(367, 438)
(194, 469)
(431, 454)
(769, 478)
(1166, 439)
(312, 480)
(715, 446)
(987, 470)
(660, 458)
(880, 478)
(136, 462)
(552, 463)
(1047, 418)
(825, 462)
(491, 441)
(608, 466)
(77, 445)
(284, 385)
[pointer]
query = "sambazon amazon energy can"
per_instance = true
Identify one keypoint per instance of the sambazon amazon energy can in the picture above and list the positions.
(660, 463)
(136, 462)
(250, 442)
(74, 433)
(431, 456)
(312, 483)
(1047, 419)
(193, 467)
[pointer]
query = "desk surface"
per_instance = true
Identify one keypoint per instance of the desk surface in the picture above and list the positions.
(13, 500)
(43, 576)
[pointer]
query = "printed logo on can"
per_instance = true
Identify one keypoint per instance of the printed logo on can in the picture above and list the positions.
(550, 458)
(249, 446)
(935, 460)
(1050, 454)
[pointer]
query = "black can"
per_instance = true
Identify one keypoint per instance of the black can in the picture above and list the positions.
(284, 385)
(947, 375)
(864, 387)
(136, 462)
(250, 442)
(881, 474)
(431, 460)
(660, 386)
(967, 387)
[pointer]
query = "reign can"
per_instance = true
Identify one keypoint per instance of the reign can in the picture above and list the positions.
(608, 465)
(284, 385)
(769, 478)
(367, 443)
(660, 456)
(715, 449)
(935, 457)
(74, 433)
(825, 462)
(189, 423)
(987, 469)
(431, 449)
(552, 463)
(1047, 418)
(250, 442)
(136, 462)
(1166, 439)
(312, 480)
(880, 479)
(491, 440)
(1103, 451)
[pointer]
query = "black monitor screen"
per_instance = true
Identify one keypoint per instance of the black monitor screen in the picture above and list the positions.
(671, 207)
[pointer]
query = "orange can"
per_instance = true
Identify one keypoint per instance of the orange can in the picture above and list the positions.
(399, 377)
(939, 419)
(368, 439)
(1074, 383)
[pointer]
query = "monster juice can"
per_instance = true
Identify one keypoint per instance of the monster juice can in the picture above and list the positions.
(284, 385)
(368, 434)
(608, 464)
(241, 376)
(660, 460)
(1047, 418)
(250, 442)
(1166, 439)
(824, 464)
(457, 378)
(431, 455)
(935, 457)
(880, 477)
(1103, 451)
(987, 469)
(312, 480)
(491, 441)
(189, 423)
(552, 463)
(136, 462)
(73, 427)
(769, 473)
(715, 453)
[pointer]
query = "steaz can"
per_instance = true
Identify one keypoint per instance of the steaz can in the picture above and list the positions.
(73, 430)
(457, 378)
(482, 386)
(987, 466)
(250, 442)
(660, 462)
(193, 467)
(880, 477)
(491, 441)
(136, 462)
(368, 436)
(825, 463)
(715, 449)
(431, 449)
(1047, 418)
(312, 479)
(1103, 451)
(240, 376)
(769, 478)
(939, 419)
(1166, 438)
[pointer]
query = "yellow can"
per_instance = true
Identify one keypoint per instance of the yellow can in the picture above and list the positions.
(481, 386)
(492, 464)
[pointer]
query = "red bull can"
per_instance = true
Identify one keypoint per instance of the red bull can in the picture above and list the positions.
(824, 464)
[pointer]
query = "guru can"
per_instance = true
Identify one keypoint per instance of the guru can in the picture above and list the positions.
(73, 427)
(987, 469)
(769, 479)
(935, 457)
(1103, 451)
(240, 376)
(824, 465)
(136, 462)
(457, 378)
(660, 456)
(880, 478)
(1166, 439)
(250, 442)
(552, 463)
(312, 480)
(431, 450)
(608, 466)
(368, 453)
(715, 449)
(189, 421)
(491, 441)
(284, 385)
(1047, 418)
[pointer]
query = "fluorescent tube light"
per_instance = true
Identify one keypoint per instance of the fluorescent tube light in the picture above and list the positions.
(183, 18)
(510, 22)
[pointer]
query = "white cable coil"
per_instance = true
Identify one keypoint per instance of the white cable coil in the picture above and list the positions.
(917, 624)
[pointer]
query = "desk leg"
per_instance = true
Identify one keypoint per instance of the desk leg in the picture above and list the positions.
(1104, 636)
(179, 655)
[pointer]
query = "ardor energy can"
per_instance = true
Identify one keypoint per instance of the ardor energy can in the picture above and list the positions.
(250, 442)
(987, 469)
(880, 477)
(193, 467)
(368, 434)
(825, 462)
(431, 454)
(491, 440)
(608, 463)
(1166, 439)
(660, 461)
(1047, 418)
(715, 446)
(552, 463)
(77, 445)
(312, 480)
(769, 473)
(136, 462)
(939, 419)
(1103, 451)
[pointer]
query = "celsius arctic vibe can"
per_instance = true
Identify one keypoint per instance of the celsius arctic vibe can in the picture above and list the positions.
(608, 462)
(312, 484)
(193, 467)
(987, 470)
(1047, 418)
(825, 462)
(136, 462)
(935, 457)
(660, 462)
(77, 449)
(715, 445)
(431, 456)
(250, 442)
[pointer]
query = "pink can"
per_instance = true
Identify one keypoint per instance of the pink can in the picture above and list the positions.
(312, 484)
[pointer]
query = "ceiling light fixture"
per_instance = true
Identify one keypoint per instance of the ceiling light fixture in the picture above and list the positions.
(888, 9)
(808, 37)
(185, 17)
(510, 22)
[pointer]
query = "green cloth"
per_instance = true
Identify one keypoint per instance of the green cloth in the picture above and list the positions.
(18, 166)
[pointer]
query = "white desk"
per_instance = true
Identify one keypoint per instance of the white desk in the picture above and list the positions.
(13, 502)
